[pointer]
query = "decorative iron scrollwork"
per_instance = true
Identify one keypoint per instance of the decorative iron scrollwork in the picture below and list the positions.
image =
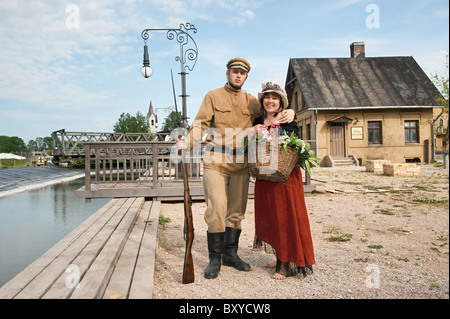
(182, 36)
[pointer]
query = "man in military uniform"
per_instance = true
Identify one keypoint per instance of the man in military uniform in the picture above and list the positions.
(225, 114)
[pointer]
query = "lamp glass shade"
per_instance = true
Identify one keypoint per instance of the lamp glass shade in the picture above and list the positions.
(146, 71)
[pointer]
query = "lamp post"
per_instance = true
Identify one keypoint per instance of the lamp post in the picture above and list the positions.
(187, 58)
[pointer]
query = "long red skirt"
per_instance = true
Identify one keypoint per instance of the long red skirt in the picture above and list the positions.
(281, 219)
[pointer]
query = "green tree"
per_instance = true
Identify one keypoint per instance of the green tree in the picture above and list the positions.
(48, 142)
(12, 144)
(171, 122)
(32, 146)
(131, 124)
(40, 144)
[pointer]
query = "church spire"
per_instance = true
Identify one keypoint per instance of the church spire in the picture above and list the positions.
(152, 120)
(150, 110)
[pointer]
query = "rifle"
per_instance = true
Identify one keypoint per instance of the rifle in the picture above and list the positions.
(188, 267)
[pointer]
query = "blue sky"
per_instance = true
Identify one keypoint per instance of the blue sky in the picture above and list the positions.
(75, 64)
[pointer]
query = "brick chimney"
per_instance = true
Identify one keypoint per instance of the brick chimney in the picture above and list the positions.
(357, 50)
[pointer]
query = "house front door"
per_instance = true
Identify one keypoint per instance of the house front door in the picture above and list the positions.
(337, 141)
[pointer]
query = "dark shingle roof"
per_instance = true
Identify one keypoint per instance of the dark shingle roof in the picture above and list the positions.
(342, 83)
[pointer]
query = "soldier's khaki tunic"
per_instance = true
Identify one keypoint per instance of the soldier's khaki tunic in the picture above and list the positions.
(226, 113)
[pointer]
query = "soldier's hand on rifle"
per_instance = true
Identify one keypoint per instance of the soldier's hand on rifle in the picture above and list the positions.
(182, 142)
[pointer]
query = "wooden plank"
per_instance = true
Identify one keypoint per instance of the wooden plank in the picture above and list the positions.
(21, 280)
(94, 282)
(140, 191)
(142, 284)
(119, 284)
(97, 237)
(41, 283)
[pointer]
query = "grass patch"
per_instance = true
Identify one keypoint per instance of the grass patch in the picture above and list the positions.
(377, 187)
(163, 220)
(435, 285)
(337, 235)
(429, 201)
(424, 188)
(11, 163)
(383, 212)
(340, 237)
(350, 183)
(399, 229)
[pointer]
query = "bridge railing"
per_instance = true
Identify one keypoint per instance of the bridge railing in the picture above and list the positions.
(71, 144)
(157, 163)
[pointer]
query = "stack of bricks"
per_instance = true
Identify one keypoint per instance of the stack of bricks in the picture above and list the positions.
(401, 169)
(376, 166)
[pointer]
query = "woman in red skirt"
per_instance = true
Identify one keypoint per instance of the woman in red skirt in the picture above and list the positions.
(281, 217)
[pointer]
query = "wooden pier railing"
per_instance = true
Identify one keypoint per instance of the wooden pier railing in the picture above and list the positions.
(148, 169)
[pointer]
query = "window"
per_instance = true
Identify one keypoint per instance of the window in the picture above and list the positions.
(411, 131)
(374, 133)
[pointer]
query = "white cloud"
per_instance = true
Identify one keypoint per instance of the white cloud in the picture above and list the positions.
(344, 4)
(218, 53)
(233, 12)
(42, 54)
(243, 18)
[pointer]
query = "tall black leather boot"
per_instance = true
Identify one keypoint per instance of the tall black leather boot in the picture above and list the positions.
(230, 256)
(215, 247)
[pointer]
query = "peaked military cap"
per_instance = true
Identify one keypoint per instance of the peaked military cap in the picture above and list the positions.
(239, 63)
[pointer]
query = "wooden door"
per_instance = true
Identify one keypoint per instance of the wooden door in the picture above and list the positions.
(337, 141)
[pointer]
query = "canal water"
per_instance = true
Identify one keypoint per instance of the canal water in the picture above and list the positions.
(32, 222)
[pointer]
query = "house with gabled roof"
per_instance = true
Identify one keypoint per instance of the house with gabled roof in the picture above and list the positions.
(363, 108)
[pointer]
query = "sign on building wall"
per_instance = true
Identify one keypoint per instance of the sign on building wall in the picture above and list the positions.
(357, 133)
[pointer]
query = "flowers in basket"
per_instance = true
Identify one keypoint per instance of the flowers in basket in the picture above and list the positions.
(281, 137)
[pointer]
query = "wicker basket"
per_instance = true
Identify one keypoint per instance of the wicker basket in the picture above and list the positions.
(276, 166)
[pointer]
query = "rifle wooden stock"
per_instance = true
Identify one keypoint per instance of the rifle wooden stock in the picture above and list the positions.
(188, 268)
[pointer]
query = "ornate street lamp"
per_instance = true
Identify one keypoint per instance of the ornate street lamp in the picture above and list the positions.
(187, 58)
(146, 70)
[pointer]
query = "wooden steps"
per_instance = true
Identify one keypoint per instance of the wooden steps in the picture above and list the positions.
(111, 254)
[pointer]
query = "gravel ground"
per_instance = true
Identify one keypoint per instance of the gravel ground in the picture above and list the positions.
(375, 236)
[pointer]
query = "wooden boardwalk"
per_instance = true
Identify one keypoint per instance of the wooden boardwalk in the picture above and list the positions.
(110, 255)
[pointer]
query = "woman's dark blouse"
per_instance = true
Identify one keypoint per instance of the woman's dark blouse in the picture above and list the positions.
(288, 127)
